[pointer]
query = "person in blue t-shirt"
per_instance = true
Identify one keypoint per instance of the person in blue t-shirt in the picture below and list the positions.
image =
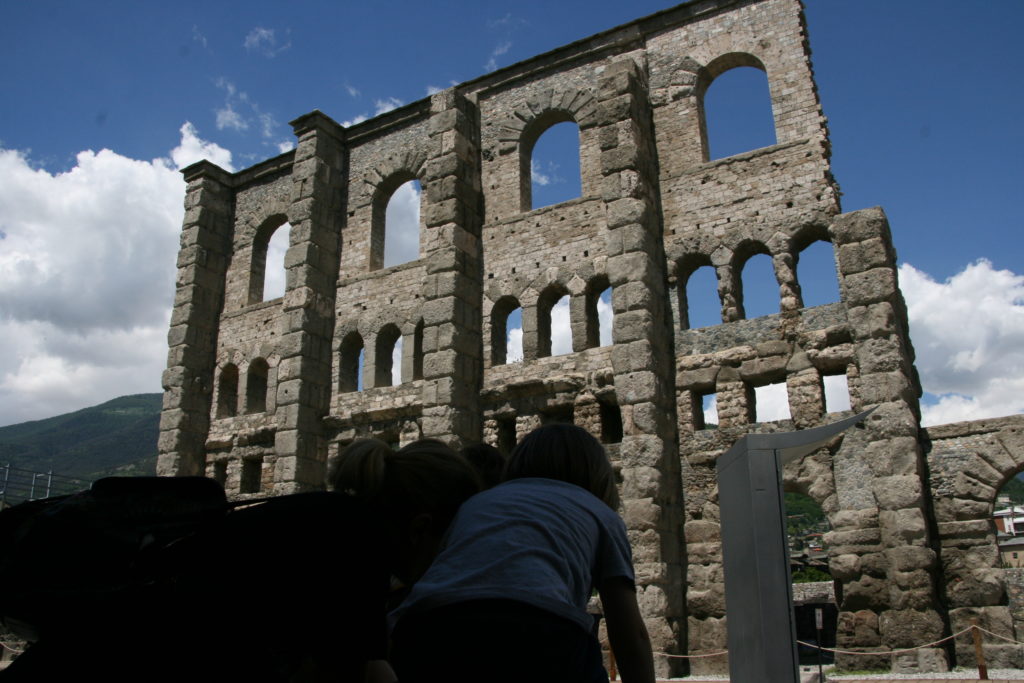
(506, 598)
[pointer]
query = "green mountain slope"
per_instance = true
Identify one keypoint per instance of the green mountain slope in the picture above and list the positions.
(118, 436)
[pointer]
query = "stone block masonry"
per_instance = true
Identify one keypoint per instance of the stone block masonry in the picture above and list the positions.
(263, 394)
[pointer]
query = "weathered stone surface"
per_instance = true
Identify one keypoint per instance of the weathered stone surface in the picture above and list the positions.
(261, 394)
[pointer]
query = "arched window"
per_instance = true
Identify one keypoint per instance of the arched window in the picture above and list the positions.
(550, 161)
(506, 332)
(389, 341)
(267, 277)
(554, 332)
(758, 293)
(699, 304)
(395, 229)
(227, 391)
(816, 274)
(350, 365)
(417, 351)
(737, 107)
(599, 313)
(256, 386)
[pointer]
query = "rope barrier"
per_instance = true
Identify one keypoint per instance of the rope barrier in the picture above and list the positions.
(710, 654)
(887, 652)
(996, 635)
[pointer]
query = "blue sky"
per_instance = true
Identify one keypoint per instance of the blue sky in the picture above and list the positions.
(102, 101)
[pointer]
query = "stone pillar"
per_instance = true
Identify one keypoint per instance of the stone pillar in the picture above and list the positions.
(311, 263)
(199, 297)
(881, 543)
(453, 287)
(642, 356)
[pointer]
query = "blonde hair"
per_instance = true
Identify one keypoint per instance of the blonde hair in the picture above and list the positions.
(425, 476)
(567, 453)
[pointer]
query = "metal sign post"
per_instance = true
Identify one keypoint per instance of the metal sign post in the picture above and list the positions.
(758, 587)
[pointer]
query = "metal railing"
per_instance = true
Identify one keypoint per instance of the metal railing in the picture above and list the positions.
(18, 485)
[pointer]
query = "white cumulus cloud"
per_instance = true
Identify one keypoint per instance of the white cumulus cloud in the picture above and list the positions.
(968, 334)
(88, 258)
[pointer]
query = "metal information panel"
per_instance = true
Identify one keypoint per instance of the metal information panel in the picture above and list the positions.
(758, 587)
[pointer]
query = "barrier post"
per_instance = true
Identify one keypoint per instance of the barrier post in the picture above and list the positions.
(979, 653)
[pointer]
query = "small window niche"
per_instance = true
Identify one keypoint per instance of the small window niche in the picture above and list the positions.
(836, 390)
(611, 422)
(558, 415)
(219, 472)
(506, 435)
(771, 402)
(251, 480)
(704, 410)
(227, 391)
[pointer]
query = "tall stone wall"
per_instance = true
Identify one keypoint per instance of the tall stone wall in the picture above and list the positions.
(263, 394)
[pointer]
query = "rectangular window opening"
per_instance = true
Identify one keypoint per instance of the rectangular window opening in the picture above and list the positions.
(506, 435)
(252, 475)
(562, 414)
(837, 393)
(611, 423)
(705, 410)
(771, 402)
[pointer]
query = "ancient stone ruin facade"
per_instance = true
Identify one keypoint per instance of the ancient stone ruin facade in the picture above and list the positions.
(262, 394)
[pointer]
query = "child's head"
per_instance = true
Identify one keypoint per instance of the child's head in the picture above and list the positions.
(418, 489)
(567, 453)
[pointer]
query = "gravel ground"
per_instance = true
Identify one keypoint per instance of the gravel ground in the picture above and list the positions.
(959, 674)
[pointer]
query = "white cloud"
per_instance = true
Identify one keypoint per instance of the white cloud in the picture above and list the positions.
(267, 124)
(514, 345)
(402, 225)
(274, 275)
(536, 175)
(605, 318)
(192, 149)
(380, 107)
(433, 90)
(837, 393)
(227, 117)
(386, 105)
(561, 332)
(968, 333)
(285, 146)
(353, 92)
(354, 120)
(88, 258)
(396, 363)
(710, 409)
(239, 112)
(264, 41)
(771, 402)
(499, 50)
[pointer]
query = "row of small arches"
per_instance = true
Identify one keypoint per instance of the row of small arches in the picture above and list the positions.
(749, 285)
(555, 317)
(736, 112)
(233, 398)
(392, 364)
